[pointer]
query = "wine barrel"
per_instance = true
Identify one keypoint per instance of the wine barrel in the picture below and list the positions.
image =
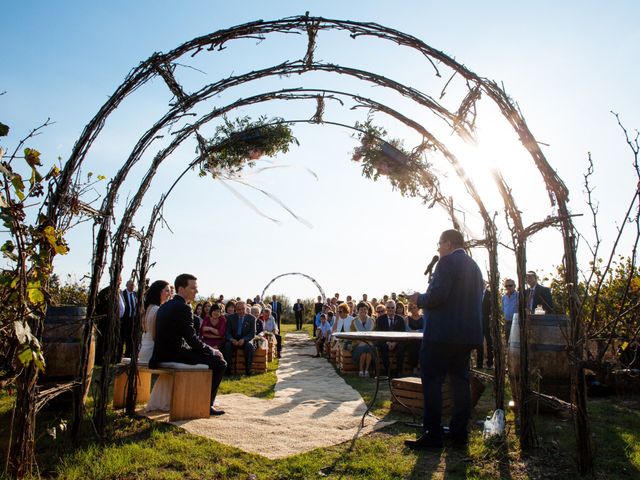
(548, 358)
(62, 344)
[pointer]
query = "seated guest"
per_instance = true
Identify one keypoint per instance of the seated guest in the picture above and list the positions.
(241, 328)
(213, 327)
(256, 312)
(331, 317)
(342, 322)
(230, 308)
(388, 323)
(414, 323)
(325, 309)
(197, 318)
(362, 352)
(270, 326)
(352, 306)
(174, 324)
(400, 309)
(206, 310)
(374, 303)
(322, 334)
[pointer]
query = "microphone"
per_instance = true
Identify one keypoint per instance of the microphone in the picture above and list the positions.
(434, 260)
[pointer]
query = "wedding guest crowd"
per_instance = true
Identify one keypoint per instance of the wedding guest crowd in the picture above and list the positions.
(210, 332)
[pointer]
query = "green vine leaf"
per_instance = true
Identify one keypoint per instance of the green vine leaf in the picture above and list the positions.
(55, 240)
(7, 249)
(18, 186)
(35, 293)
(32, 157)
(53, 173)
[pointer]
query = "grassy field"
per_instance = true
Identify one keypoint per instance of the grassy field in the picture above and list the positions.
(141, 448)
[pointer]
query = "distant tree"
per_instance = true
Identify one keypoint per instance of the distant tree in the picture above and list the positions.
(73, 292)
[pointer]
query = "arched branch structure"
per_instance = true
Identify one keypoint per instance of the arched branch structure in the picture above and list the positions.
(308, 277)
(462, 121)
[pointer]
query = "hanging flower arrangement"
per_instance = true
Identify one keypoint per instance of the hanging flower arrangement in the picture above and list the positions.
(239, 143)
(407, 171)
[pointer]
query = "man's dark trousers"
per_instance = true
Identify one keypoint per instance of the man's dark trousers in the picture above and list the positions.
(436, 361)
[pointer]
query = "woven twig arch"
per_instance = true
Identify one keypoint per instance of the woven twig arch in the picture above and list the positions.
(308, 277)
(462, 121)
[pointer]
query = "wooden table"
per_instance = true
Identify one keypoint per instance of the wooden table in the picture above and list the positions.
(371, 338)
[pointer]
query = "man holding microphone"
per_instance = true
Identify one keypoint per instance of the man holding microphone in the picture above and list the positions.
(452, 309)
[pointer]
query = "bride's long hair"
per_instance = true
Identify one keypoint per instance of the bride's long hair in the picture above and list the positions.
(152, 297)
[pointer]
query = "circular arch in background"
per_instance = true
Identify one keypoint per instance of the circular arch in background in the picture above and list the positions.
(313, 280)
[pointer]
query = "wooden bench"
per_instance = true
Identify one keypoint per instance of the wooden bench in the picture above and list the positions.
(345, 362)
(335, 351)
(327, 349)
(190, 393)
(259, 364)
(272, 351)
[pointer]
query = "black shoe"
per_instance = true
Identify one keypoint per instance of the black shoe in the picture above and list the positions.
(424, 442)
(214, 411)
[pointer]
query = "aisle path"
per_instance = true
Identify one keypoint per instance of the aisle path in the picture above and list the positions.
(313, 407)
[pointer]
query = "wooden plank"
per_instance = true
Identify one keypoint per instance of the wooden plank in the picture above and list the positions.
(411, 402)
(407, 383)
(191, 395)
(143, 388)
(407, 393)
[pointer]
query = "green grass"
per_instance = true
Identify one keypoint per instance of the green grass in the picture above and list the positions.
(141, 448)
(261, 385)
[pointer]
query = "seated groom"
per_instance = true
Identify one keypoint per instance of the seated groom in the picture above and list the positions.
(241, 328)
(174, 323)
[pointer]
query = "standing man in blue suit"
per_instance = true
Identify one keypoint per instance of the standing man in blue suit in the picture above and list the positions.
(452, 309)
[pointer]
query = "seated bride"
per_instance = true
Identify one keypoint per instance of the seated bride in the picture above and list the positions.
(157, 294)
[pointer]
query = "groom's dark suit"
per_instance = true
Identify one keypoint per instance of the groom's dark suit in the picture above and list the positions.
(174, 323)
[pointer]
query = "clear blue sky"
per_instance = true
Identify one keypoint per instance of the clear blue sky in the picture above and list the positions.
(567, 64)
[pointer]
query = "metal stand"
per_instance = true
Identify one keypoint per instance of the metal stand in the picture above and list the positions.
(388, 378)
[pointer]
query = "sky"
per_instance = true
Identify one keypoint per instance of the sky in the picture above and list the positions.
(567, 64)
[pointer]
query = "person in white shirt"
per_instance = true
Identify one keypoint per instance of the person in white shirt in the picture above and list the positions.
(270, 326)
(322, 334)
(342, 322)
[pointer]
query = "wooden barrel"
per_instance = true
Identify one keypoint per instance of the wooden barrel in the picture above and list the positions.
(62, 344)
(548, 359)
